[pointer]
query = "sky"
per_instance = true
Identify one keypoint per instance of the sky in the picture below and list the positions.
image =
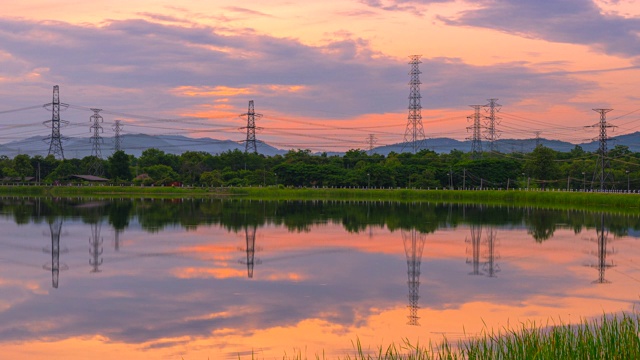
(325, 76)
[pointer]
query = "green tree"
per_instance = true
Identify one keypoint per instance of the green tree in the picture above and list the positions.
(65, 169)
(192, 164)
(541, 165)
(211, 178)
(22, 166)
(162, 174)
(119, 168)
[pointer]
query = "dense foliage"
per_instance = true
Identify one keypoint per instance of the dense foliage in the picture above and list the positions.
(542, 168)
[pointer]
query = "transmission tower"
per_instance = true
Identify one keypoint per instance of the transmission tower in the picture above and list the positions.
(491, 121)
(602, 265)
(55, 139)
(414, 134)
(538, 140)
(413, 246)
(490, 266)
(96, 167)
(55, 267)
(117, 142)
(250, 143)
(371, 140)
(250, 236)
(476, 137)
(95, 250)
(476, 237)
(602, 165)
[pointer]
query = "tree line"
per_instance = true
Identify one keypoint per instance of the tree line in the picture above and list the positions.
(541, 168)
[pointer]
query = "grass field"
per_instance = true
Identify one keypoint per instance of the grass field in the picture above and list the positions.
(611, 202)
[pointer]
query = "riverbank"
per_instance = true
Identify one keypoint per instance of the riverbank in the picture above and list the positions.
(612, 202)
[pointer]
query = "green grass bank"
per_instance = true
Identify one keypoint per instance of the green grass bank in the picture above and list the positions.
(612, 202)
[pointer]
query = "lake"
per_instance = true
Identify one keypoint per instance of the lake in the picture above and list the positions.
(212, 278)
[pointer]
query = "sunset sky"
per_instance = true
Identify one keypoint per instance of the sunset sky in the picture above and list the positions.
(324, 74)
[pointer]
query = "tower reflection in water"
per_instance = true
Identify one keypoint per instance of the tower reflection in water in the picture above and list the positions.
(602, 234)
(489, 267)
(413, 247)
(55, 267)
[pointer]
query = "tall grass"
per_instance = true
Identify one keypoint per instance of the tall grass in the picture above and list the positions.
(615, 337)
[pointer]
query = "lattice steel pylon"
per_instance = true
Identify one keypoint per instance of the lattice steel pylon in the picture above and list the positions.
(55, 139)
(96, 167)
(476, 237)
(250, 250)
(491, 121)
(96, 248)
(490, 267)
(603, 163)
(602, 265)
(371, 140)
(55, 267)
(117, 141)
(250, 142)
(413, 246)
(414, 133)
(476, 128)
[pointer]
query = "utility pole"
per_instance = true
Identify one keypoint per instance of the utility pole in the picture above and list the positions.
(250, 142)
(476, 137)
(464, 179)
(603, 163)
(491, 121)
(55, 139)
(414, 133)
(96, 167)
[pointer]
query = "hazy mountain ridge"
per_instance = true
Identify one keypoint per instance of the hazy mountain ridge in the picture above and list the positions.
(135, 144)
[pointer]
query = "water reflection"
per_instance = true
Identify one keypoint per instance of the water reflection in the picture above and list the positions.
(490, 267)
(96, 248)
(250, 250)
(413, 246)
(602, 265)
(177, 285)
(55, 228)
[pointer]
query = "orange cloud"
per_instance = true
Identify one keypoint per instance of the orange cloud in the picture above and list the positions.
(217, 273)
(224, 91)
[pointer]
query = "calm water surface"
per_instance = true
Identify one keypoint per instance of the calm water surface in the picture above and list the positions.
(144, 279)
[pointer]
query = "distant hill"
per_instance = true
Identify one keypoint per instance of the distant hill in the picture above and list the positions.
(446, 145)
(135, 144)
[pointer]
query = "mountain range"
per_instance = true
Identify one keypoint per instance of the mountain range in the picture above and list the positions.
(135, 144)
